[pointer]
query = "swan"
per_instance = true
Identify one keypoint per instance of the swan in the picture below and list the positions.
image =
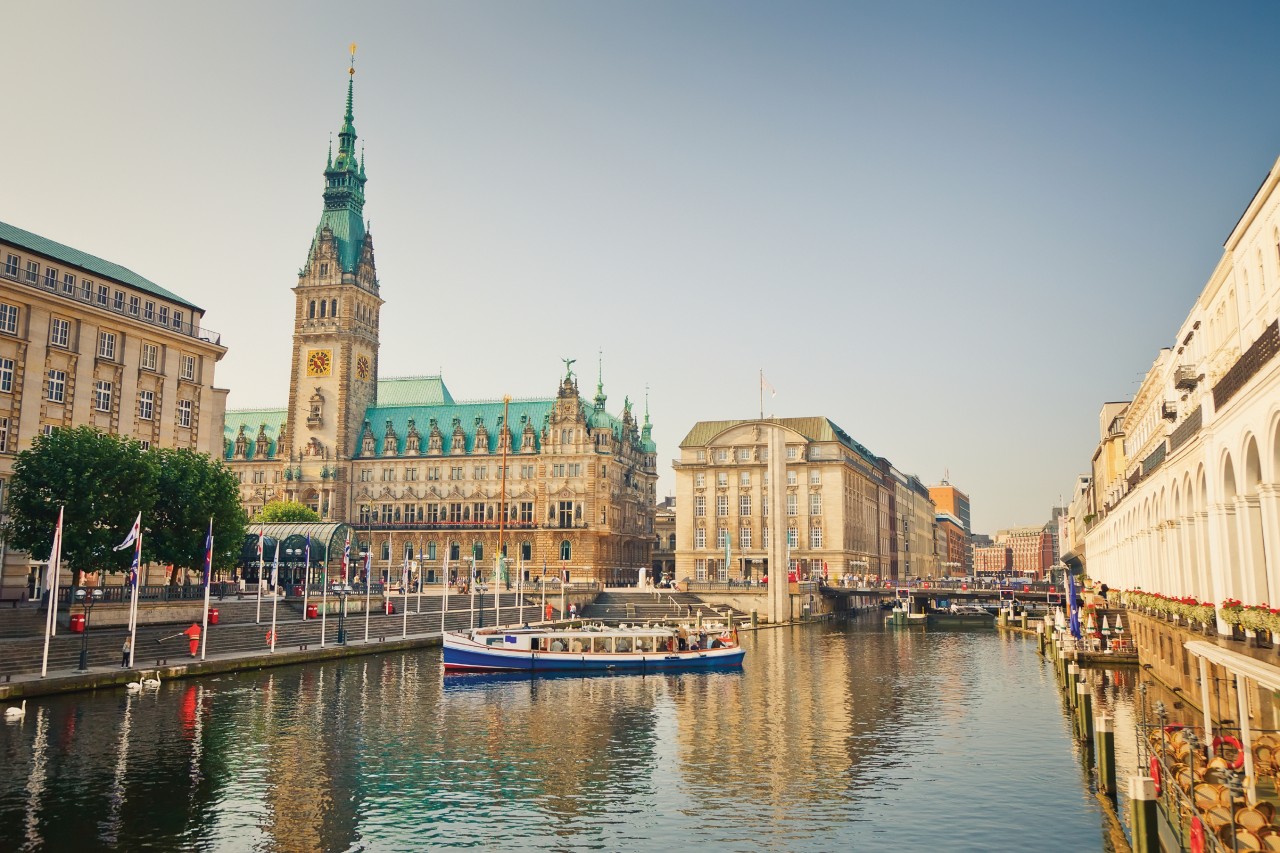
(16, 713)
(151, 682)
(133, 686)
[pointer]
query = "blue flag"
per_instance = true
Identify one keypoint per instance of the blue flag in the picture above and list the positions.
(208, 554)
(1071, 606)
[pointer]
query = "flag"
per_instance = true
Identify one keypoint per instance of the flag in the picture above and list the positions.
(368, 566)
(727, 538)
(765, 386)
(261, 536)
(346, 559)
(134, 538)
(1071, 605)
(134, 533)
(275, 566)
(208, 555)
(55, 555)
(306, 558)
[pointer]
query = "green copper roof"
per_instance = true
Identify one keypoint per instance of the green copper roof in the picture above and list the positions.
(344, 180)
(814, 429)
(91, 263)
(253, 420)
(413, 391)
(519, 412)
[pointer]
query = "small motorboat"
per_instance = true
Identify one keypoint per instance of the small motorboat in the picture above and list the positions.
(589, 648)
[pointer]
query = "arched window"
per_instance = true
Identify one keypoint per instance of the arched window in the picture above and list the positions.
(477, 551)
(526, 551)
(455, 551)
(566, 550)
(333, 308)
(386, 550)
(431, 550)
(322, 307)
(408, 551)
(671, 542)
(311, 312)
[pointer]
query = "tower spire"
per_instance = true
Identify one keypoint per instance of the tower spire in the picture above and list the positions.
(600, 397)
(344, 180)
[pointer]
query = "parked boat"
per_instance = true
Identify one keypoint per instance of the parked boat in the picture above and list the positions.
(596, 647)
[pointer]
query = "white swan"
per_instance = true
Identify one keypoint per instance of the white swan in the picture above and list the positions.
(133, 686)
(151, 682)
(16, 713)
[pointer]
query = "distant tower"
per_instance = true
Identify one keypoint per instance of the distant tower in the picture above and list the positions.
(334, 376)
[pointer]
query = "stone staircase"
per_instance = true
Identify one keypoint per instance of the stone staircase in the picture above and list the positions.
(237, 633)
(665, 606)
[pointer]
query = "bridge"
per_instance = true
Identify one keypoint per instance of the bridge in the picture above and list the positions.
(1042, 593)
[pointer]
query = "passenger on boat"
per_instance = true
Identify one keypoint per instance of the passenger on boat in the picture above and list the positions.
(693, 647)
(622, 645)
(716, 644)
(557, 645)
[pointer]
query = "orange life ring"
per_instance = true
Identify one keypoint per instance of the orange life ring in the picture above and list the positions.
(1155, 773)
(1238, 761)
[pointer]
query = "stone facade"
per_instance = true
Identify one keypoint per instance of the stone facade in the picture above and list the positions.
(419, 474)
(84, 341)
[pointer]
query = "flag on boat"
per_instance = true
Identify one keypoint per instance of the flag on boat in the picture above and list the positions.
(208, 554)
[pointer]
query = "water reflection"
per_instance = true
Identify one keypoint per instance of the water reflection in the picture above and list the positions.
(832, 736)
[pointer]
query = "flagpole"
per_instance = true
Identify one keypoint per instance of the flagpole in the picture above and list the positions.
(324, 597)
(542, 608)
(258, 617)
(404, 583)
(497, 590)
(762, 393)
(275, 594)
(368, 586)
(51, 583)
(208, 580)
(306, 577)
(444, 607)
(471, 585)
(137, 582)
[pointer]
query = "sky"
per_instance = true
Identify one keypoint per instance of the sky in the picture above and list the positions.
(955, 229)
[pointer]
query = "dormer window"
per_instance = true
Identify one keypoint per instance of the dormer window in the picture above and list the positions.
(324, 269)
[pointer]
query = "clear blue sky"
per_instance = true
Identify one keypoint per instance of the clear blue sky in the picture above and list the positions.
(953, 228)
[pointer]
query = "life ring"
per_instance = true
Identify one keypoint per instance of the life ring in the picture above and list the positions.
(1238, 761)
(1197, 835)
(1155, 773)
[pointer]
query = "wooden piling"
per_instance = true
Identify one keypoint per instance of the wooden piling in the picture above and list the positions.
(1105, 743)
(1142, 811)
(1084, 710)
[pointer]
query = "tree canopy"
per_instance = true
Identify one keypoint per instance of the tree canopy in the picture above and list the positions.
(276, 512)
(103, 482)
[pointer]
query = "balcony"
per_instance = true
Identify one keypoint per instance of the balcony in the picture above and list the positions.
(1169, 411)
(1186, 378)
(91, 299)
(1258, 354)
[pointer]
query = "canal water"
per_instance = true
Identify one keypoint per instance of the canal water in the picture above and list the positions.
(839, 736)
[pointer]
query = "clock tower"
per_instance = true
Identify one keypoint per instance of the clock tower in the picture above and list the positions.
(334, 375)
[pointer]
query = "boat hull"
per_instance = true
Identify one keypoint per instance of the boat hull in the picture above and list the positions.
(463, 656)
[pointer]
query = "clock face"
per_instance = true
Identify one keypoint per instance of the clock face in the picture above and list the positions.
(319, 362)
(362, 367)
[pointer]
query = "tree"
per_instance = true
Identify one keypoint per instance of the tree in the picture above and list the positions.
(276, 512)
(103, 481)
(194, 488)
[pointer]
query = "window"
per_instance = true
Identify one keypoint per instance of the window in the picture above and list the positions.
(184, 414)
(4, 435)
(793, 539)
(815, 504)
(8, 318)
(700, 480)
(744, 537)
(526, 512)
(51, 278)
(57, 386)
(722, 537)
(700, 570)
(47, 430)
(700, 538)
(104, 294)
(744, 454)
(701, 456)
(86, 289)
(366, 475)
(791, 478)
(177, 319)
(575, 469)
(433, 473)
(815, 477)
(455, 473)
(722, 505)
(388, 474)
(102, 396)
(526, 472)
(69, 284)
(11, 264)
(722, 455)
(764, 537)
(146, 444)
(149, 311)
(815, 537)
(33, 272)
(6, 375)
(118, 302)
(722, 479)
(744, 480)
(150, 356)
(324, 270)
(107, 345)
(411, 473)
(164, 315)
(134, 304)
(59, 332)
(744, 504)
(188, 364)
(146, 405)
(699, 506)
(479, 472)
(793, 505)
(557, 470)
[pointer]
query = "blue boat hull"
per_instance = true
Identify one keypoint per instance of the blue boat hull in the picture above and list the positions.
(479, 660)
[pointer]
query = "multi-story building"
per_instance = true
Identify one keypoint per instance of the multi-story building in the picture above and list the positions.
(664, 540)
(1196, 509)
(912, 551)
(992, 560)
(953, 546)
(1031, 549)
(836, 501)
(558, 480)
(84, 341)
(951, 501)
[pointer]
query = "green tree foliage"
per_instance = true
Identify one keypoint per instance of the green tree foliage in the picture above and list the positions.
(192, 489)
(276, 512)
(102, 480)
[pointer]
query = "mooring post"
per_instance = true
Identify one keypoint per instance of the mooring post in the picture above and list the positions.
(1084, 705)
(1142, 810)
(1022, 620)
(1073, 670)
(1105, 743)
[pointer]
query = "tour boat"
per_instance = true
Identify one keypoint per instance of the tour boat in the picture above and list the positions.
(592, 647)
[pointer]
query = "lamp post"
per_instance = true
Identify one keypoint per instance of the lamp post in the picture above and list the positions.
(342, 590)
(87, 599)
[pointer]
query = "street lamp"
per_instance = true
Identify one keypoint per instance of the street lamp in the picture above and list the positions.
(342, 590)
(87, 599)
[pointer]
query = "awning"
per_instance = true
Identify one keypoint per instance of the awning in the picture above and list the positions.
(327, 538)
(1237, 664)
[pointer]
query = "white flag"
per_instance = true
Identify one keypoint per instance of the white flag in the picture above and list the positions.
(765, 386)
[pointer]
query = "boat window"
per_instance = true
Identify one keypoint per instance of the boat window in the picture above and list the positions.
(575, 645)
(622, 644)
(557, 645)
(602, 645)
(642, 644)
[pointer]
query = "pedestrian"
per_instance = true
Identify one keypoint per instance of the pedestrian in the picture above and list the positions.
(124, 653)
(573, 611)
(193, 639)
